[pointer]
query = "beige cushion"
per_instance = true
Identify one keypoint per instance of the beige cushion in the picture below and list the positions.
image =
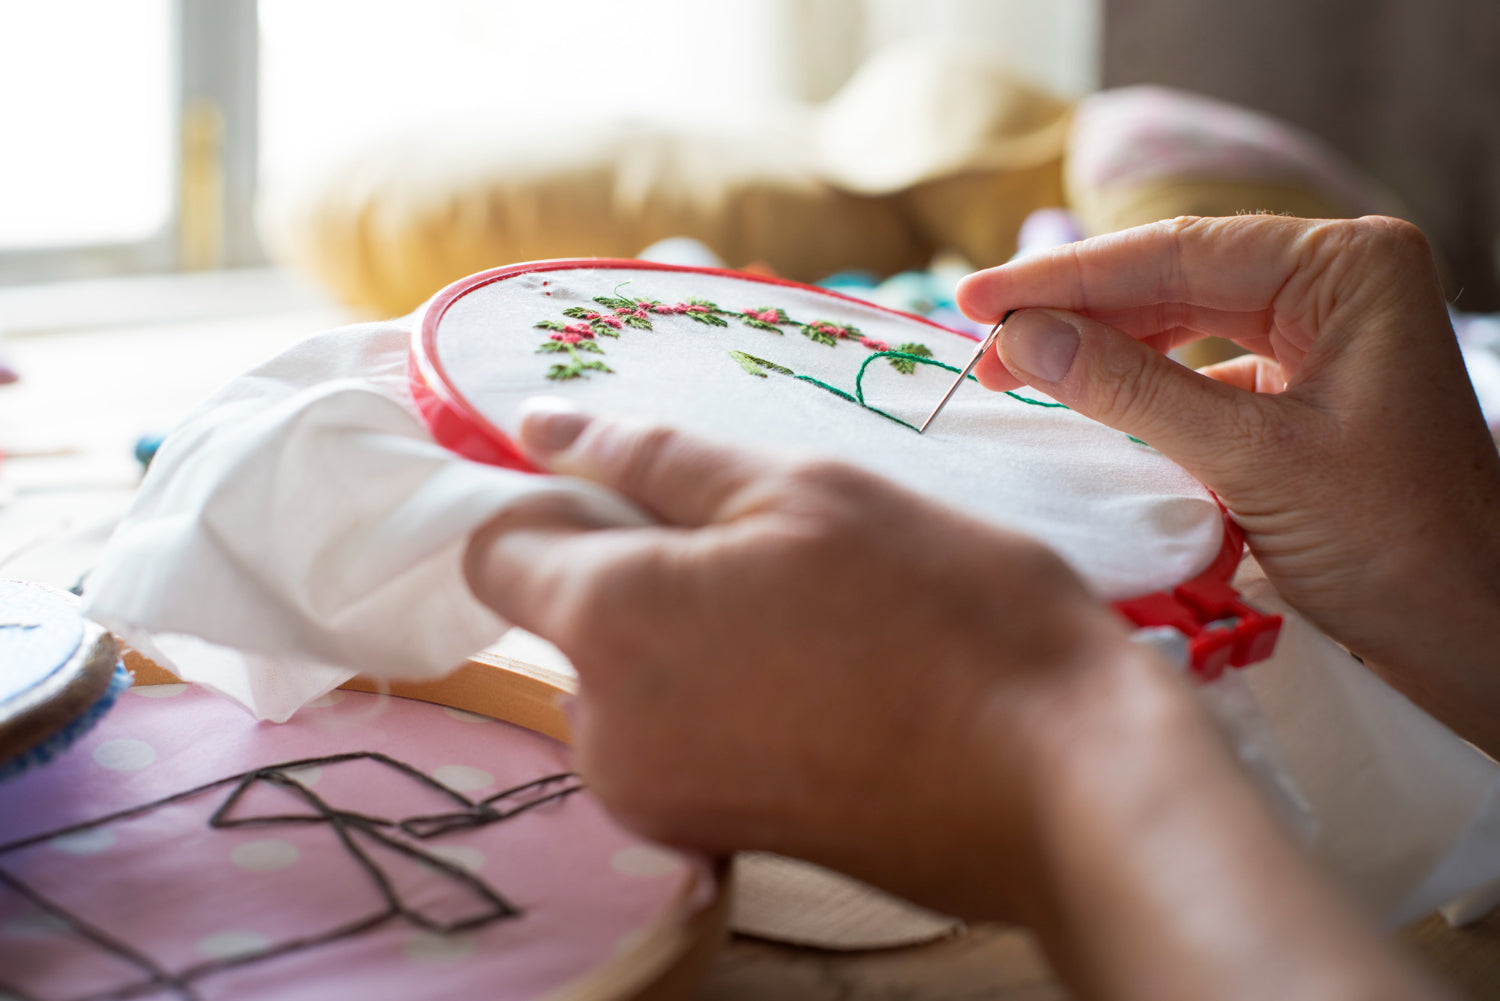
(398, 220)
(968, 149)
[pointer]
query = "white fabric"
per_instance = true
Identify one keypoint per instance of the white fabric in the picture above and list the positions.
(1408, 814)
(1125, 517)
(302, 525)
(1479, 339)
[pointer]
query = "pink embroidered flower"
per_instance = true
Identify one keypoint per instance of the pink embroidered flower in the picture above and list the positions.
(874, 345)
(565, 338)
(681, 307)
(608, 321)
(831, 329)
(638, 312)
(583, 330)
(693, 307)
(764, 315)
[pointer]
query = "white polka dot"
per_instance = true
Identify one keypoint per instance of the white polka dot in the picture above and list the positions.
(265, 856)
(332, 698)
(124, 755)
(471, 859)
(463, 778)
(428, 947)
(232, 944)
(465, 716)
(307, 776)
(158, 691)
(90, 842)
(37, 925)
(646, 861)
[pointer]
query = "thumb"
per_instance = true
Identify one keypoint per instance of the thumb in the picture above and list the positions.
(1117, 380)
(680, 478)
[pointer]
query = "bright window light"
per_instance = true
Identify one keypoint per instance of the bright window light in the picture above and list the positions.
(86, 115)
(335, 71)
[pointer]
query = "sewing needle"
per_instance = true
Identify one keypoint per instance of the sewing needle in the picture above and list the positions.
(984, 346)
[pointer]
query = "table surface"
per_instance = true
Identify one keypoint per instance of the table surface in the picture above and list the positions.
(68, 430)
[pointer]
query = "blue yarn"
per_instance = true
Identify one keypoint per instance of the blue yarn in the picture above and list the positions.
(63, 739)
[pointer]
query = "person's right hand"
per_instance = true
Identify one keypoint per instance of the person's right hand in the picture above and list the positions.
(1348, 444)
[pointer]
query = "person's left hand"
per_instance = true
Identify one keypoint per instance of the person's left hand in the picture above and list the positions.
(805, 658)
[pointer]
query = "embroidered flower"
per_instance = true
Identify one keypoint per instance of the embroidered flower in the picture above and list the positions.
(874, 345)
(601, 318)
(764, 315)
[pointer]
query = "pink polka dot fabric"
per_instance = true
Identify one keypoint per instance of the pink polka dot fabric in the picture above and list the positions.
(310, 888)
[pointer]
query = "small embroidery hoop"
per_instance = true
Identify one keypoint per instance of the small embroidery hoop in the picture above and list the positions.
(41, 704)
(669, 960)
(1222, 631)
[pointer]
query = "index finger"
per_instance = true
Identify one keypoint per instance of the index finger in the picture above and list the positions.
(1235, 264)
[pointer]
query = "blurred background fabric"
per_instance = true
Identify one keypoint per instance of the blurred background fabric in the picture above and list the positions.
(1410, 91)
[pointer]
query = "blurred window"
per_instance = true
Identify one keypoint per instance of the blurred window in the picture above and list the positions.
(335, 71)
(86, 112)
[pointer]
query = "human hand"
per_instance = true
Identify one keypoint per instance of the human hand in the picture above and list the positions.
(808, 659)
(1348, 445)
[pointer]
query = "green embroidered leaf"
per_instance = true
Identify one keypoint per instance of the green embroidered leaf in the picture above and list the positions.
(561, 373)
(709, 318)
(578, 312)
(589, 346)
(595, 366)
(763, 325)
(551, 347)
(704, 302)
(549, 325)
(757, 366)
(614, 303)
(603, 329)
(638, 322)
(820, 337)
(905, 365)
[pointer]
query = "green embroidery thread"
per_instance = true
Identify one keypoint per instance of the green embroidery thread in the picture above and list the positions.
(759, 366)
(581, 337)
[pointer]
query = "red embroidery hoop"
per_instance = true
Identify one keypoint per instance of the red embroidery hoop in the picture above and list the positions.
(1221, 629)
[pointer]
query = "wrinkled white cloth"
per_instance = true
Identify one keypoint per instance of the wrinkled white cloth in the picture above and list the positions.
(302, 525)
(1408, 814)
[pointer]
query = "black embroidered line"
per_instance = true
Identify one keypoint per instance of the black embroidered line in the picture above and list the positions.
(350, 827)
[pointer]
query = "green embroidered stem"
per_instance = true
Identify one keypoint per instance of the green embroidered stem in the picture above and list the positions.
(914, 360)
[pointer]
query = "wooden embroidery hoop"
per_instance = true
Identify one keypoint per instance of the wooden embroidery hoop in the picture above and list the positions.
(1221, 630)
(666, 962)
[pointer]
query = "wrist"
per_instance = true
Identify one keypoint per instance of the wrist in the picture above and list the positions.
(1445, 623)
(1135, 739)
(1111, 714)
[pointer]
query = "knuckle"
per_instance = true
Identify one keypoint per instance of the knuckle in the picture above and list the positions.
(827, 477)
(1128, 391)
(636, 454)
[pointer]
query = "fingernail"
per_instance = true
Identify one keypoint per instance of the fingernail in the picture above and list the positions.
(1040, 344)
(549, 424)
